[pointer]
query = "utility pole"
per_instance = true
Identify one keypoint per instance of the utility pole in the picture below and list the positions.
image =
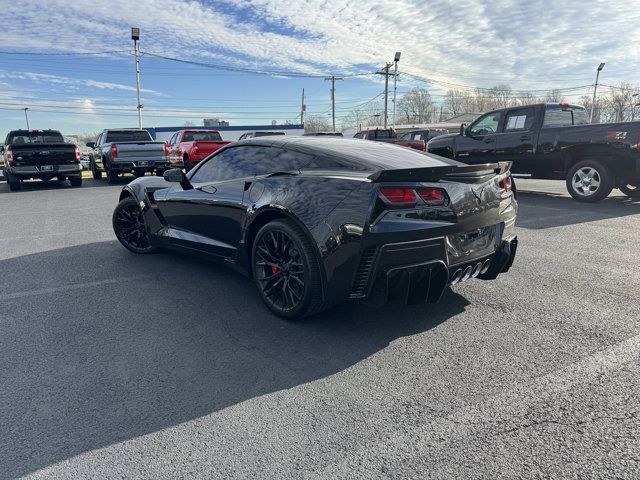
(396, 59)
(595, 87)
(26, 117)
(634, 105)
(333, 79)
(303, 107)
(135, 36)
(386, 92)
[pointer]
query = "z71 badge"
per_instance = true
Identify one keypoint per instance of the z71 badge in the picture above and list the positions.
(617, 135)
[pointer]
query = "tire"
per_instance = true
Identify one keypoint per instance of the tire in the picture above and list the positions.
(112, 177)
(13, 182)
(97, 174)
(589, 181)
(286, 270)
(129, 227)
(630, 190)
(76, 181)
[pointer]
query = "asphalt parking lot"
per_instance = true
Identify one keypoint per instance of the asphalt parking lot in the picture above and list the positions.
(116, 365)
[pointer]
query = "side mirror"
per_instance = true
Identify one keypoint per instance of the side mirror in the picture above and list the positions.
(91, 144)
(175, 175)
(1, 149)
(463, 129)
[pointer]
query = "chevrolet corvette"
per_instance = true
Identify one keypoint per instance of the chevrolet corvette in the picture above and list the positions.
(317, 220)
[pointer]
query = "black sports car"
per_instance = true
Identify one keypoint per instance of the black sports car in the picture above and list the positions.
(316, 220)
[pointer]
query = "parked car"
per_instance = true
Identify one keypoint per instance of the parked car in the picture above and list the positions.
(425, 134)
(315, 221)
(258, 133)
(40, 154)
(553, 141)
(85, 161)
(389, 136)
(322, 134)
(127, 150)
(188, 147)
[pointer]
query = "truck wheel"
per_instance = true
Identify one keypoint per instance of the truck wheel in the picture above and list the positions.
(97, 174)
(76, 181)
(630, 190)
(112, 177)
(589, 181)
(14, 182)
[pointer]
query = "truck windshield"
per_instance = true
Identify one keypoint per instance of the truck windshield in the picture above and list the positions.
(201, 137)
(129, 136)
(35, 137)
(564, 116)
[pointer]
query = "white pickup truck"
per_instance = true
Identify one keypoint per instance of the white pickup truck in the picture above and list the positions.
(118, 151)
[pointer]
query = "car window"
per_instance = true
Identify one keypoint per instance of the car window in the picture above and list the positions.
(564, 116)
(487, 124)
(128, 136)
(98, 140)
(36, 137)
(519, 120)
(172, 140)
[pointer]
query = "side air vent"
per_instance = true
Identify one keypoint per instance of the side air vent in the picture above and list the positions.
(359, 288)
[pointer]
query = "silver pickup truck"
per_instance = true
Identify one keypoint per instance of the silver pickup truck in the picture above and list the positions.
(118, 151)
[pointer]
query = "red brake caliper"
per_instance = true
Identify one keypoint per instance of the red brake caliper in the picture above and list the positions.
(274, 269)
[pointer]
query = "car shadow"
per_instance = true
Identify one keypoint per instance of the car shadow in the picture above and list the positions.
(540, 210)
(100, 346)
(39, 185)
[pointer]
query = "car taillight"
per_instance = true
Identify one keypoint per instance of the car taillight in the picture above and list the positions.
(114, 151)
(505, 184)
(432, 196)
(77, 155)
(8, 156)
(166, 149)
(399, 197)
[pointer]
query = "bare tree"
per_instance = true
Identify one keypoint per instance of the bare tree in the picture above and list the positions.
(416, 106)
(315, 123)
(554, 96)
(456, 101)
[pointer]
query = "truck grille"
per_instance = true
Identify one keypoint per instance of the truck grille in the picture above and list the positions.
(359, 287)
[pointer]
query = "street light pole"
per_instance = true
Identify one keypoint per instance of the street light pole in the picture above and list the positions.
(26, 117)
(595, 88)
(396, 59)
(135, 36)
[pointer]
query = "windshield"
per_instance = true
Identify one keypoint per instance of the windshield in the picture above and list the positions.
(565, 116)
(36, 137)
(129, 136)
(201, 137)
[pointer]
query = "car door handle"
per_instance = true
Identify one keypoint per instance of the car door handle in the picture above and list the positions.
(488, 140)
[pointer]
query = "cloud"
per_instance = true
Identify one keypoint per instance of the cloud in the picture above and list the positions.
(528, 43)
(71, 82)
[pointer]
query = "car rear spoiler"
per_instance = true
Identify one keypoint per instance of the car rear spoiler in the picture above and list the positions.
(454, 173)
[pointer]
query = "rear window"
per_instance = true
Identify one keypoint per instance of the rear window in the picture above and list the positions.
(128, 136)
(201, 137)
(383, 134)
(559, 116)
(266, 134)
(35, 137)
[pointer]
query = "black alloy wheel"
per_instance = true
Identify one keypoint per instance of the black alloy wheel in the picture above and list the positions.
(129, 227)
(286, 271)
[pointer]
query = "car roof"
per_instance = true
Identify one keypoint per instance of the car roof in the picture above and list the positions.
(375, 155)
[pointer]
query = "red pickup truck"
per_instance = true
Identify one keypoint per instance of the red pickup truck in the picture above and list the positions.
(389, 136)
(188, 147)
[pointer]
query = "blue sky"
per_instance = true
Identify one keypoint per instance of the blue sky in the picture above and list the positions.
(527, 44)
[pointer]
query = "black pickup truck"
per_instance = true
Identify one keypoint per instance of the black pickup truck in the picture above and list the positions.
(40, 154)
(552, 141)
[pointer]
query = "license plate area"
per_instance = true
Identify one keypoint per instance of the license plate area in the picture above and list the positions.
(143, 164)
(465, 246)
(46, 168)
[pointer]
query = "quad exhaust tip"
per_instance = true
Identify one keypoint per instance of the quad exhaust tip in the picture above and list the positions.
(472, 271)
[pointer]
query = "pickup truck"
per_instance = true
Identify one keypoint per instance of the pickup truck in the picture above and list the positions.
(552, 141)
(388, 135)
(188, 147)
(119, 151)
(40, 154)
